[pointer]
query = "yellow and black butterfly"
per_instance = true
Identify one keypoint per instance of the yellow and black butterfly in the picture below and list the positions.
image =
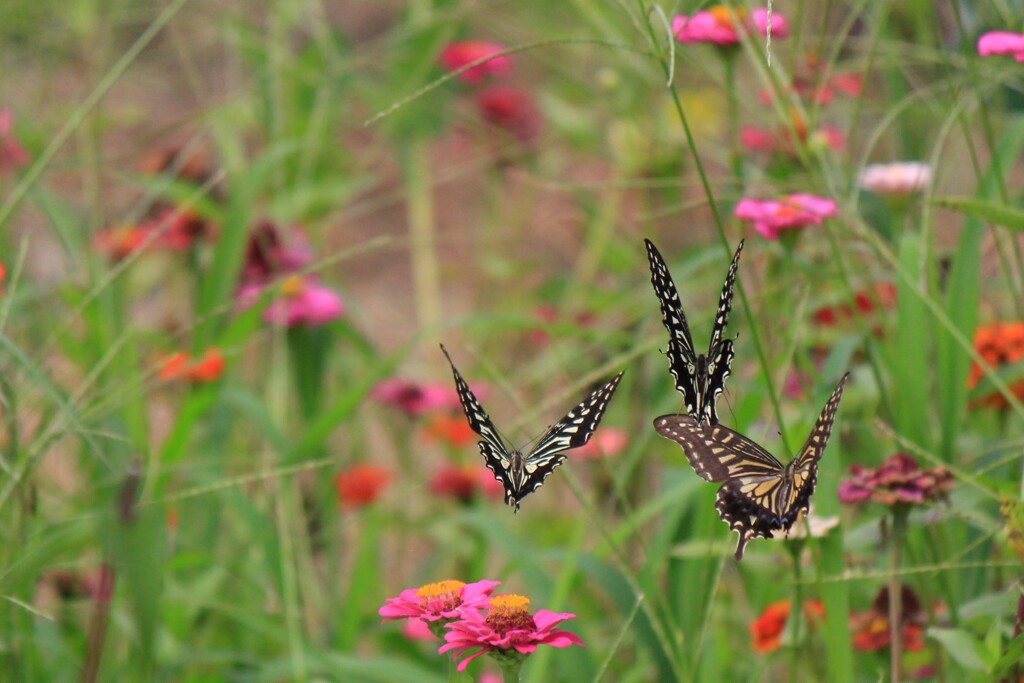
(699, 377)
(523, 473)
(759, 494)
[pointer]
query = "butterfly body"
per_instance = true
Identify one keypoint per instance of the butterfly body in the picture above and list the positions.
(699, 377)
(521, 473)
(759, 495)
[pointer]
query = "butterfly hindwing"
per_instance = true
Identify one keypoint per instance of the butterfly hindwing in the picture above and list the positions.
(758, 495)
(699, 378)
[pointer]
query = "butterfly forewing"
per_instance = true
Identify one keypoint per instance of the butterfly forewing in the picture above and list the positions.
(576, 428)
(725, 304)
(479, 422)
(758, 495)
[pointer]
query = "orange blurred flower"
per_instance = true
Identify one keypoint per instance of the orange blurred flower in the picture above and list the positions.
(452, 430)
(768, 628)
(999, 344)
(871, 628)
(360, 485)
(119, 241)
(180, 366)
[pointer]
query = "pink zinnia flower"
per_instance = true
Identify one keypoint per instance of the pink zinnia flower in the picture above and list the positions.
(718, 25)
(1002, 43)
(605, 443)
(301, 302)
(438, 601)
(507, 629)
(771, 216)
(897, 481)
(896, 178)
(461, 53)
(12, 154)
(413, 398)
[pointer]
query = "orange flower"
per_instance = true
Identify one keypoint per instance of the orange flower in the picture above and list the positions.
(767, 629)
(180, 366)
(120, 241)
(452, 430)
(360, 485)
(999, 344)
(871, 628)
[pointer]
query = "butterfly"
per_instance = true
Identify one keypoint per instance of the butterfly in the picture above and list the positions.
(523, 473)
(699, 377)
(759, 495)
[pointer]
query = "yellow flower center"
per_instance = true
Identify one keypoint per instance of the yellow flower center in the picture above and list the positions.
(727, 17)
(441, 589)
(509, 612)
(292, 286)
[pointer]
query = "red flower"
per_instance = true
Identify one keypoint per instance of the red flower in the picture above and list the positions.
(270, 253)
(771, 216)
(511, 109)
(508, 630)
(897, 481)
(881, 295)
(12, 154)
(438, 601)
(416, 399)
(719, 25)
(999, 344)
(177, 229)
(871, 628)
(180, 366)
(360, 485)
(452, 430)
(465, 482)
(459, 54)
(767, 629)
(121, 241)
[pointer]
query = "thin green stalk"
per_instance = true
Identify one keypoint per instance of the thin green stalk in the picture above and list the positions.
(422, 235)
(289, 586)
(735, 155)
(899, 526)
(796, 611)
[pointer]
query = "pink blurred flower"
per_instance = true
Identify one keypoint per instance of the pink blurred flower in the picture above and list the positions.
(413, 398)
(718, 25)
(896, 178)
(897, 481)
(417, 629)
(1002, 43)
(782, 141)
(511, 109)
(437, 601)
(605, 443)
(507, 629)
(771, 216)
(270, 253)
(301, 301)
(461, 53)
(12, 154)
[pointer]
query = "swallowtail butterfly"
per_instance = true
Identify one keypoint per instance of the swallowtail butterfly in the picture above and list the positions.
(699, 377)
(759, 495)
(523, 473)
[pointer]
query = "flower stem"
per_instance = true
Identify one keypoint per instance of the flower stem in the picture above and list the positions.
(735, 158)
(899, 525)
(510, 671)
(796, 613)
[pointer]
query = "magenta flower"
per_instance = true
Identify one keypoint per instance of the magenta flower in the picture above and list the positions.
(301, 302)
(415, 399)
(12, 154)
(507, 631)
(512, 109)
(719, 24)
(461, 53)
(897, 481)
(1002, 43)
(438, 601)
(771, 216)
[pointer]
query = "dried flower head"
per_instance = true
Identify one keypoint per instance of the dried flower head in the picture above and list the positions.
(899, 481)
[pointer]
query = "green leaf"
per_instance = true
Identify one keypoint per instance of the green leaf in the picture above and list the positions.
(987, 211)
(961, 646)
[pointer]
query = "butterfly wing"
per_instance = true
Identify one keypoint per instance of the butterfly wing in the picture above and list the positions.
(479, 422)
(682, 359)
(715, 452)
(725, 303)
(720, 354)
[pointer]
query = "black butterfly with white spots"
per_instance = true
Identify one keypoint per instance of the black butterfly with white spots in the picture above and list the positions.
(699, 377)
(759, 495)
(523, 473)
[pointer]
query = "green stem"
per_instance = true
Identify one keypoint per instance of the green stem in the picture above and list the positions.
(453, 671)
(899, 525)
(510, 671)
(422, 235)
(735, 156)
(796, 612)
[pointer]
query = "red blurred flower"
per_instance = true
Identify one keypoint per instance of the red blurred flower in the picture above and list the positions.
(1002, 43)
(465, 482)
(999, 344)
(771, 216)
(120, 241)
(452, 430)
(507, 630)
(767, 629)
(606, 443)
(897, 481)
(871, 628)
(459, 54)
(192, 165)
(511, 109)
(270, 253)
(882, 295)
(438, 601)
(719, 24)
(12, 154)
(360, 485)
(783, 143)
(300, 301)
(414, 398)
(181, 366)
(548, 315)
(3, 278)
(178, 229)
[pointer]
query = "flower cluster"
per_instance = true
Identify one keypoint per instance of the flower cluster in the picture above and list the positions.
(794, 211)
(766, 631)
(999, 344)
(475, 622)
(899, 481)
(723, 26)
